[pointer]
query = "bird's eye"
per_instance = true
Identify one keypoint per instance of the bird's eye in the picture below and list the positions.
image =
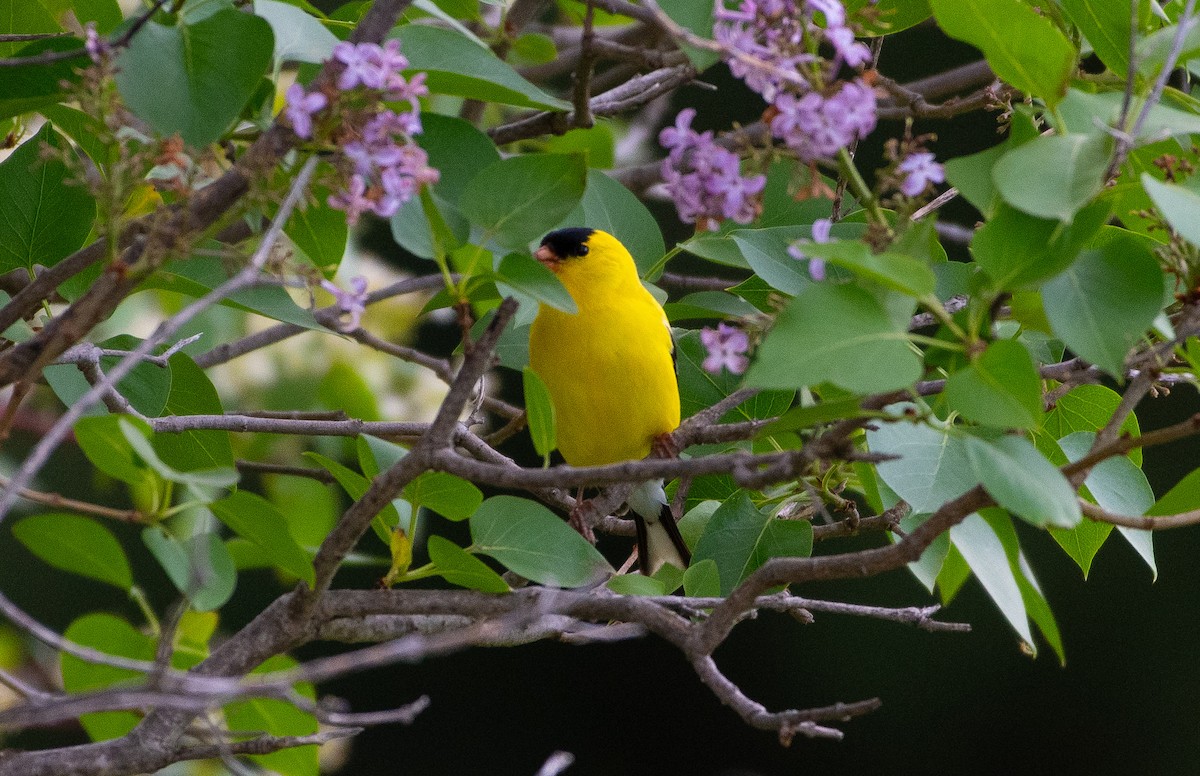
(583, 250)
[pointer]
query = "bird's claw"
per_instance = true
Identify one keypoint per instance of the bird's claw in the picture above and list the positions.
(578, 519)
(664, 446)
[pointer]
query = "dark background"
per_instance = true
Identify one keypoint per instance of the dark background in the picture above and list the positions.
(1126, 702)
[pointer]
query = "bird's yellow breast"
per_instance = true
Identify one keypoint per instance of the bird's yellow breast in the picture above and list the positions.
(609, 367)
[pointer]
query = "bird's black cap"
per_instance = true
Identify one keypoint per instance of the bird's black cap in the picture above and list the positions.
(568, 242)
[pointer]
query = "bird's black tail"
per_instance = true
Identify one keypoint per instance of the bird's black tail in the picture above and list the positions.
(650, 553)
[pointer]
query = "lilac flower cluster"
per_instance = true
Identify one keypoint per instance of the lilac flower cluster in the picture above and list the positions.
(704, 179)
(388, 168)
(726, 348)
(817, 126)
(766, 41)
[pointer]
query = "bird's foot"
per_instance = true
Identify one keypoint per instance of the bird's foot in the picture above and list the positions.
(664, 446)
(579, 519)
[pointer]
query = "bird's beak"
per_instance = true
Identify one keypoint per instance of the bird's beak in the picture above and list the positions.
(547, 258)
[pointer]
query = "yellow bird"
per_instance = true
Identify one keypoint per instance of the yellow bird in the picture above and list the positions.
(610, 370)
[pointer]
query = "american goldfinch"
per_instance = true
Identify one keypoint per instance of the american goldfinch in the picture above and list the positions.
(610, 371)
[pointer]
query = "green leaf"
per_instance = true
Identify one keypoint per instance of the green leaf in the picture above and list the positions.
(80, 127)
(1083, 111)
(299, 36)
(1023, 47)
(1105, 301)
(1022, 481)
(23, 16)
(1106, 27)
(45, 217)
(106, 446)
(739, 538)
(708, 304)
(35, 86)
(1154, 49)
(972, 176)
(932, 467)
(1086, 408)
(1001, 388)
(114, 636)
(201, 567)
(451, 497)
(319, 231)
(254, 518)
(637, 584)
(458, 151)
(204, 481)
(1082, 542)
(356, 485)
(535, 48)
(702, 580)
(146, 387)
(595, 143)
(1078, 161)
(77, 544)
(697, 17)
(192, 393)
(539, 409)
(889, 16)
(532, 541)
(1119, 486)
(1184, 497)
(929, 567)
(893, 270)
(462, 68)
(1016, 249)
(822, 412)
(343, 388)
(461, 568)
(838, 334)
(1178, 205)
(719, 250)
(699, 388)
(986, 557)
(528, 276)
(194, 79)
(538, 191)
(765, 250)
(610, 207)
(197, 277)
(278, 718)
(1035, 602)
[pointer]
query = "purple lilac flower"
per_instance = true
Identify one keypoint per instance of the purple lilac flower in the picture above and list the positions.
(362, 65)
(737, 196)
(848, 50)
(352, 303)
(920, 169)
(820, 234)
(96, 47)
(726, 346)
(817, 127)
(353, 200)
(705, 179)
(835, 13)
(301, 107)
(388, 59)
